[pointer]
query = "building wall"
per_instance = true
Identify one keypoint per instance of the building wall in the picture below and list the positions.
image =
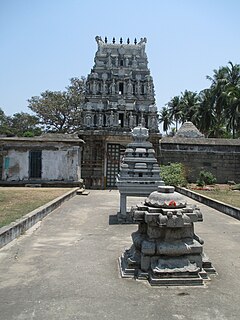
(15, 165)
(222, 160)
(61, 164)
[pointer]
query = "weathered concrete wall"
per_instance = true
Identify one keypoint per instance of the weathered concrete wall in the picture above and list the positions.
(223, 160)
(60, 164)
(15, 165)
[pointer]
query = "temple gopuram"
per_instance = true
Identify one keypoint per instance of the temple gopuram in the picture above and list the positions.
(119, 96)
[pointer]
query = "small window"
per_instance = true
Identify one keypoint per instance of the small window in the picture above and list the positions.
(121, 63)
(121, 88)
(121, 120)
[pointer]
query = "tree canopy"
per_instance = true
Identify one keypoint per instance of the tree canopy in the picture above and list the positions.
(60, 111)
(214, 110)
(20, 124)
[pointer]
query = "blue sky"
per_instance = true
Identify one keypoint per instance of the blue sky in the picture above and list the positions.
(46, 42)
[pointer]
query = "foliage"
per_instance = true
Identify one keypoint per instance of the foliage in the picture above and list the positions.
(215, 111)
(173, 174)
(60, 111)
(205, 177)
(20, 124)
(165, 117)
(23, 124)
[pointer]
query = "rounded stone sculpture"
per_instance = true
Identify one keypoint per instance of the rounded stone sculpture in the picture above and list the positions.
(166, 197)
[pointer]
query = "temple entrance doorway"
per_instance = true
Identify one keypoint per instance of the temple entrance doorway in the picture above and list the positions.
(114, 156)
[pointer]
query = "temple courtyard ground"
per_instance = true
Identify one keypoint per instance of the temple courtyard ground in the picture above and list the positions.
(66, 268)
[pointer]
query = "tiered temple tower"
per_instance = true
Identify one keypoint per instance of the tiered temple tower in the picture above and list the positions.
(119, 96)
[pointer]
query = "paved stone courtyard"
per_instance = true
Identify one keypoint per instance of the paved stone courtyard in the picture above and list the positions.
(66, 268)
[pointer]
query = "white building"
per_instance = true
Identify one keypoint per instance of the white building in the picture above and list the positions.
(48, 158)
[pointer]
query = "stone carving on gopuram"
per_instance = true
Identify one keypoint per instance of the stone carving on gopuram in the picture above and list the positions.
(119, 87)
(139, 171)
(119, 96)
(165, 249)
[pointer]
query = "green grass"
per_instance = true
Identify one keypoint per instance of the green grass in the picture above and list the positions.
(227, 196)
(16, 202)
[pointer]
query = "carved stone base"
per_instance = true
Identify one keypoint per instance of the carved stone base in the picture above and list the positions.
(183, 276)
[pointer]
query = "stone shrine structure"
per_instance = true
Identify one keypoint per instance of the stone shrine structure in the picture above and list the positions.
(119, 96)
(139, 171)
(165, 249)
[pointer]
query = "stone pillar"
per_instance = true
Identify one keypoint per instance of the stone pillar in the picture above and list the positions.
(123, 205)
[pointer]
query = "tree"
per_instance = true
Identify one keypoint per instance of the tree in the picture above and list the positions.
(232, 93)
(165, 118)
(174, 107)
(225, 87)
(232, 112)
(206, 118)
(188, 106)
(4, 123)
(218, 86)
(20, 124)
(60, 111)
(24, 124)
(215, 110)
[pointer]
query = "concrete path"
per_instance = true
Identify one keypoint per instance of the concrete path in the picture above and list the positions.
(67, 269)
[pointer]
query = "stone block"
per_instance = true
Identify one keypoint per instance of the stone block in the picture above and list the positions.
(148, 247)
(145, 262)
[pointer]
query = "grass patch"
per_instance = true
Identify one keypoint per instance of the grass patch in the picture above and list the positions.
(16, 202)
(227, 196)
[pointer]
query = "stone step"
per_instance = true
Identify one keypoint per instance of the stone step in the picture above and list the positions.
(198, 281)
(82, 192)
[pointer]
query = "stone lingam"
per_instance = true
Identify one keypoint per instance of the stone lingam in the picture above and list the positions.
(165, 249)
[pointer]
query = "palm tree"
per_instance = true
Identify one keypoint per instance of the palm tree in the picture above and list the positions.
(225, 86)
(188, 106)
(165, 118)
(232, 111)
(206, 118)
(174, 108)
(232, 93)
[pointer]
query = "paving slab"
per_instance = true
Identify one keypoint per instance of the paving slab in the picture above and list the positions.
(66, 268)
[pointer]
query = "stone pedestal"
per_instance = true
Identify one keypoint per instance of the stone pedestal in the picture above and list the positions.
(165, 249)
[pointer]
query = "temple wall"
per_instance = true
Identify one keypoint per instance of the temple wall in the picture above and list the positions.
(223, 161)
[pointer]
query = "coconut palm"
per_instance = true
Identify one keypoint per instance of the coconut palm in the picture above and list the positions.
(174, 108)
(232, 93)
(206, 119)
(188, 106)
(165, 118)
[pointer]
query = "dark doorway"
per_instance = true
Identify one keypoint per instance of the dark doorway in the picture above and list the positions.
(35, 164)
